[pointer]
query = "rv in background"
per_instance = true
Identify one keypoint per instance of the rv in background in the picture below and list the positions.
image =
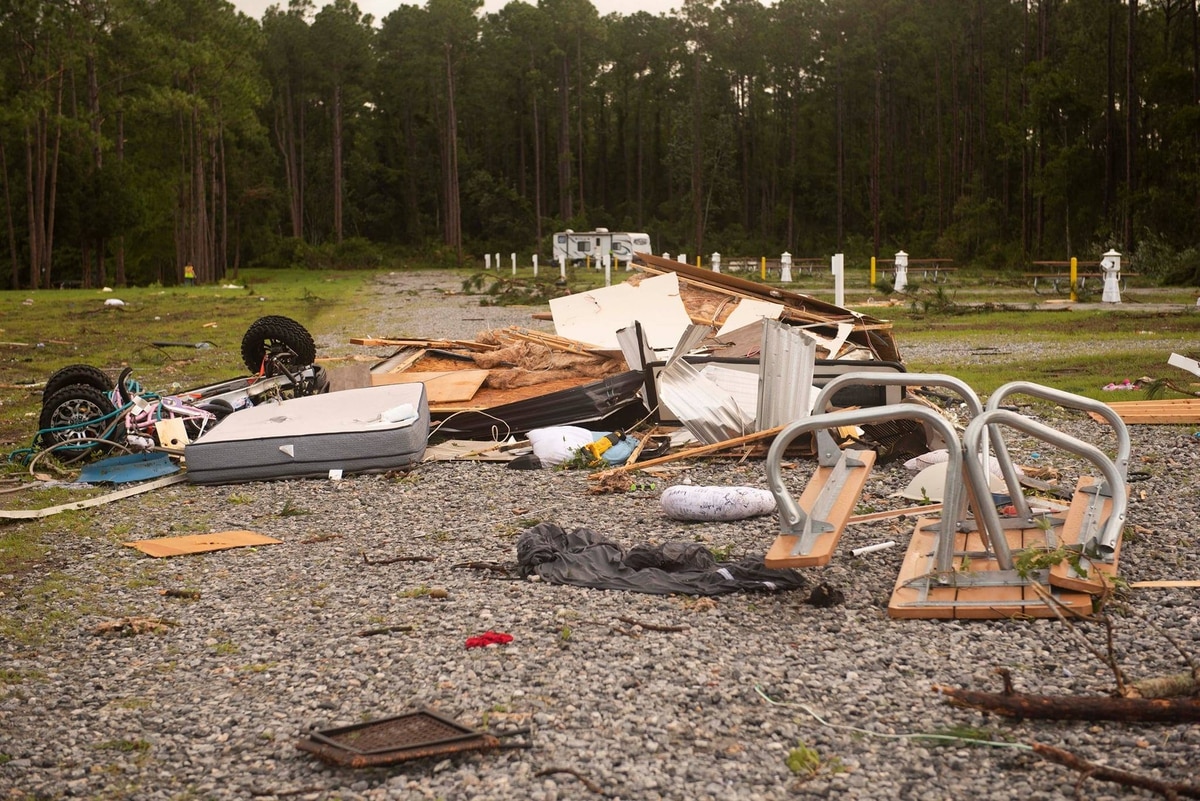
(577, 246)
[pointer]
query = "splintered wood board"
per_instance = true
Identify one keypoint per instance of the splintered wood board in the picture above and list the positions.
(979, 603)
(1099, 574)
(1180, 411)
(201, 543)
(780, 554)
(443, 386)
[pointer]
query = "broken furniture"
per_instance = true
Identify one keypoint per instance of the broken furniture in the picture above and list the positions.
(962, 564)
(355, 430)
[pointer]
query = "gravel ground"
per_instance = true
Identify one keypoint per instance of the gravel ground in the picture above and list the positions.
(211, 707)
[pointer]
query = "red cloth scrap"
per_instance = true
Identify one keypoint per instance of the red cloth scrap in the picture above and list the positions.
(489, 638)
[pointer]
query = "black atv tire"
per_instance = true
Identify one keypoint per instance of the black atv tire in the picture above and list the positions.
(282, 337)
(87, 411)
(77, 374)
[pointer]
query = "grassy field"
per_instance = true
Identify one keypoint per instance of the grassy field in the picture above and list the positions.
(1078, 351)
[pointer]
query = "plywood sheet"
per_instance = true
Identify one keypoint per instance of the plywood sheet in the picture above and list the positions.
(201, 543)
(444, 386)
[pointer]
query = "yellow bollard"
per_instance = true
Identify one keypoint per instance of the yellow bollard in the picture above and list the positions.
(1074, 276)
(698, 265)
(763, 268)
(872, 272)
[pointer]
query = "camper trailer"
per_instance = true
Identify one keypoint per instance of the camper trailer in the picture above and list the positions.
(579, 246)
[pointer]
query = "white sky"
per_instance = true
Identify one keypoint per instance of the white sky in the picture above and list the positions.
(381, 8)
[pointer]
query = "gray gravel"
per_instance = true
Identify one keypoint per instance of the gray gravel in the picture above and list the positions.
(211, 707)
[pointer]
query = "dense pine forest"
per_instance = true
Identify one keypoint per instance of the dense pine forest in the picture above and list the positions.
(137, 136)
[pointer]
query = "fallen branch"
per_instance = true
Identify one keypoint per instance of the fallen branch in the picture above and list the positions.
(650, 626)
(1090, 708)
(381, 630)
(320, 538)
(395, 559)
(495, 567)
(588, 783)
(190, 595)
(1092, 770)
(129, 626)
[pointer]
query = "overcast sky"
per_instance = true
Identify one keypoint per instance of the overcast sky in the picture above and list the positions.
(381, 8)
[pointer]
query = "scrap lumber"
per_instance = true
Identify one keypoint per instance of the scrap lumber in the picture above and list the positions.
(700, 450)
(444, 344)
(137, 489)
(401, 360)
(551, 341)
(1179, 411)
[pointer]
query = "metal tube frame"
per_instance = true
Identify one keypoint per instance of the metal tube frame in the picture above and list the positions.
(796, 522)
(1102, 544)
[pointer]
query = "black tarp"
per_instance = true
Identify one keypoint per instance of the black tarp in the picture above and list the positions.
(585, 559)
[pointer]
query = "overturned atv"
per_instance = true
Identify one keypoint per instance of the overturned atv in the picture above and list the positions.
(86, 413)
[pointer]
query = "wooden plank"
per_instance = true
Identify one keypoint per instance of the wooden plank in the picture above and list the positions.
(1099, 574)
(401, 360)
(971, 602)
(1163, 584)
(780, 553)
(1179, 411)
(445, 344)
(446, 386)
(690, 452)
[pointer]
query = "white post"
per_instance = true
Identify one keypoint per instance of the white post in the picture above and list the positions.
(901, 270)
(562, 266)
(629, 264)
(1111, 265)
(487, 261)
(607, 271)
(839, 279)
(666, 255)
(716, 262)
(785, 268)
(514, 263)
(682, 257)
(497, 262)
(535, 265)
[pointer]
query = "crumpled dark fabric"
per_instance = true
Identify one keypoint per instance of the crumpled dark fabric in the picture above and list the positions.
(583, 558)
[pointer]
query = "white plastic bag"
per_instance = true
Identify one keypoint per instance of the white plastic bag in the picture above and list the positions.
(557, 444)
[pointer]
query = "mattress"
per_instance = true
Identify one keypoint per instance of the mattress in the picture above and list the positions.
(370, 429)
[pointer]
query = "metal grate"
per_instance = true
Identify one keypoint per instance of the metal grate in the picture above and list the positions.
(413, 735)
(412, 730)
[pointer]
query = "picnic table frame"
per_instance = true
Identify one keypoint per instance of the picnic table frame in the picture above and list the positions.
(1061, 280)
